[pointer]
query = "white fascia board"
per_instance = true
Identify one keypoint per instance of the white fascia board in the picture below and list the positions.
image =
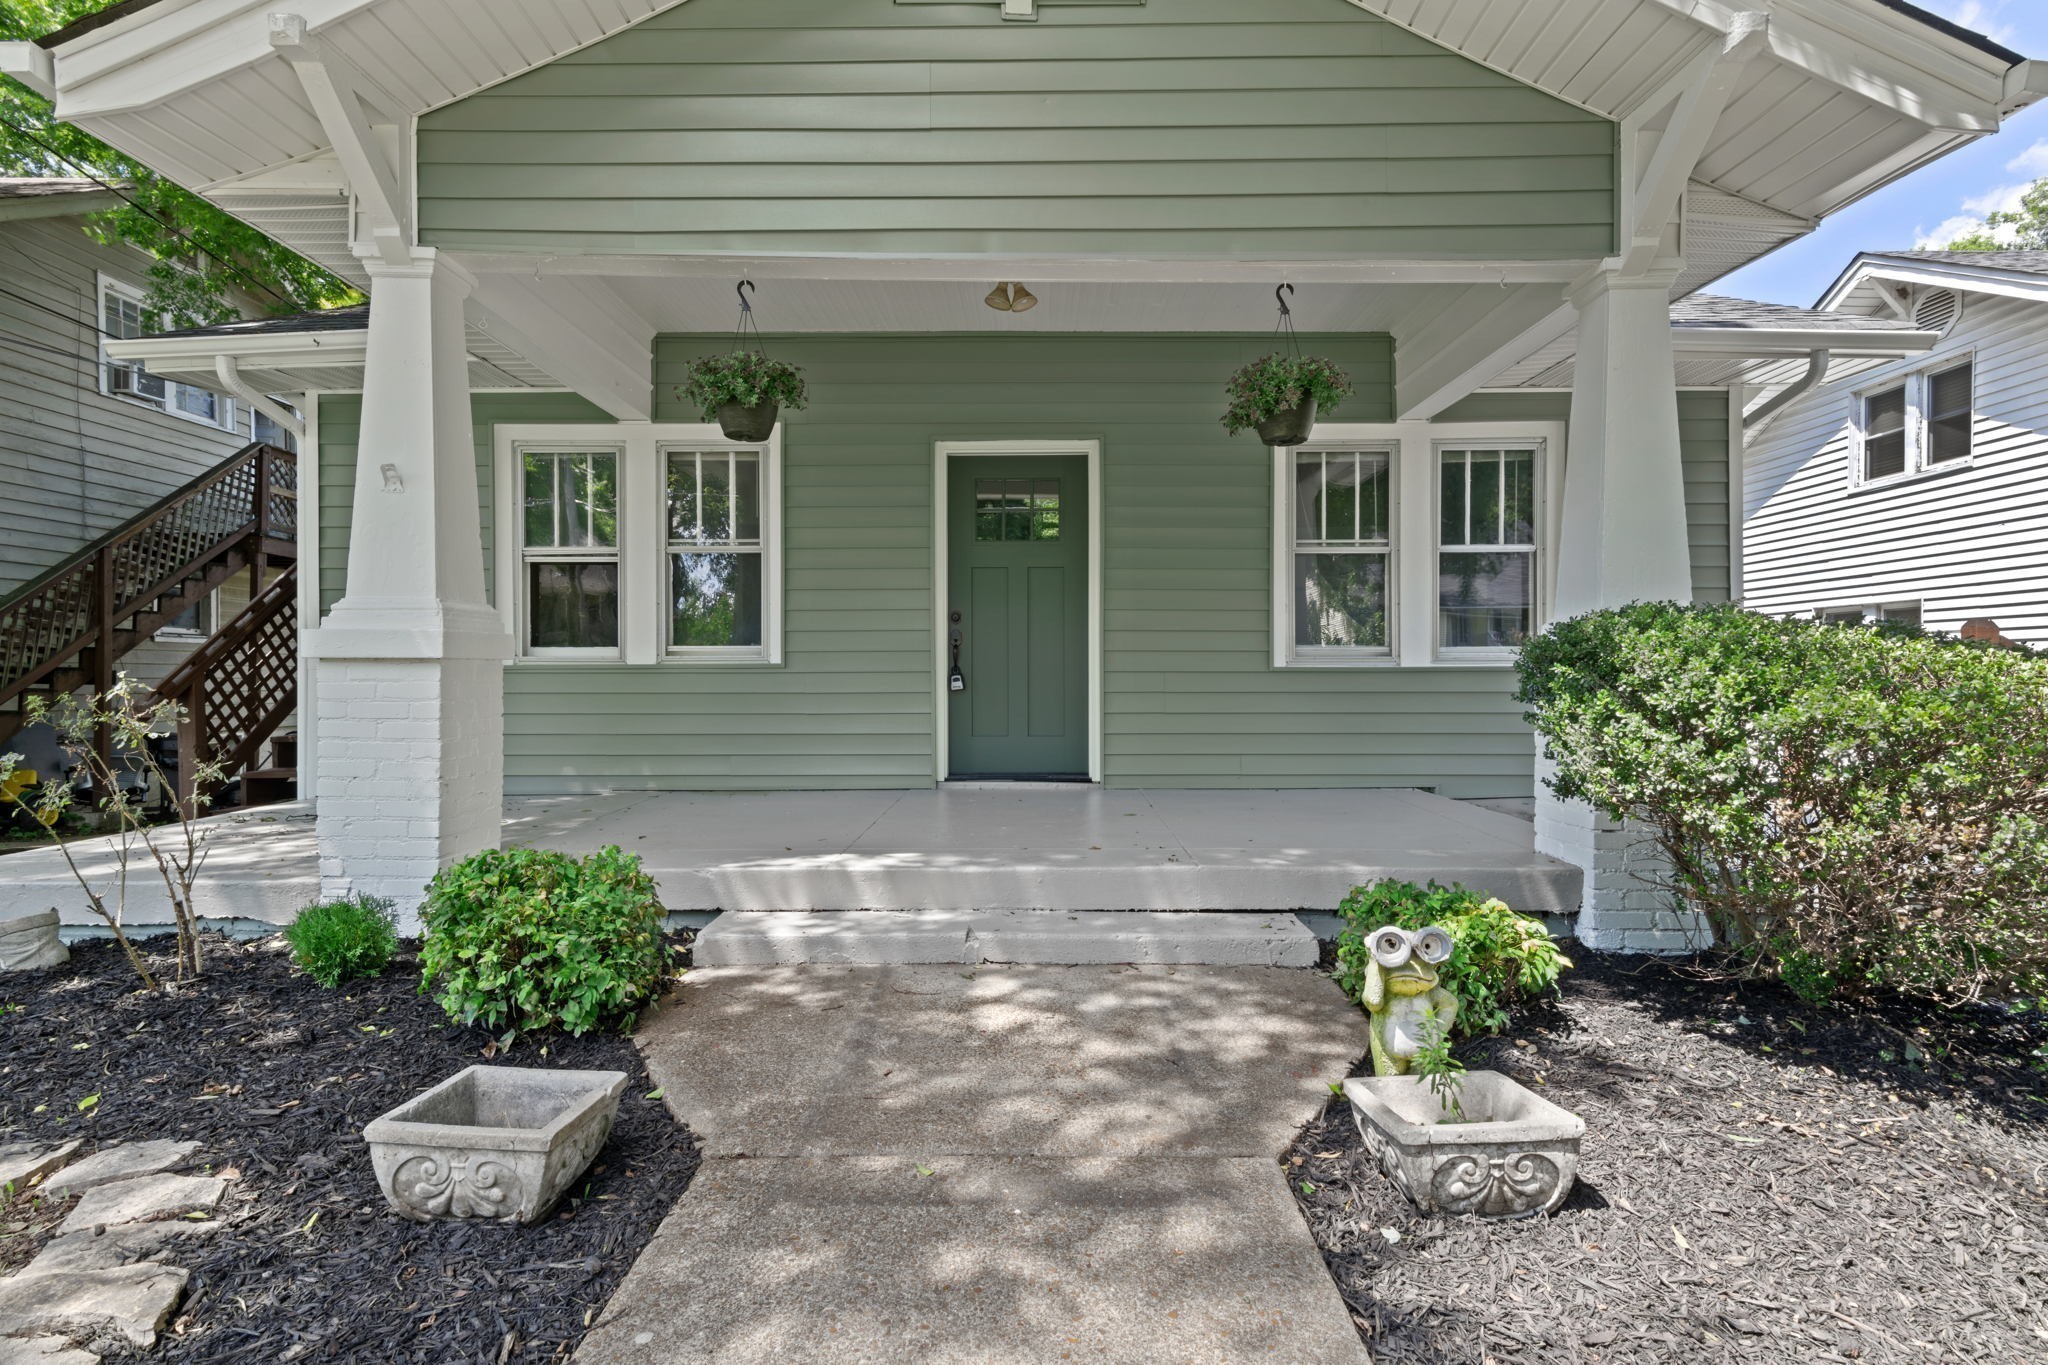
(268, 351)
(31, 65)
(1760, 343)
(1976, 279)
(1037, 269)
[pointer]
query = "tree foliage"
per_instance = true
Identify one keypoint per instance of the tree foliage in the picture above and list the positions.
(207, 263)
(2025, 229)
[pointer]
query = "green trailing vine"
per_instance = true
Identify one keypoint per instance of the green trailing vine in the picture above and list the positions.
(1277, 383)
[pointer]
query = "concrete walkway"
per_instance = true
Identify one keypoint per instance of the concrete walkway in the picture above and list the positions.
(1010, 1164)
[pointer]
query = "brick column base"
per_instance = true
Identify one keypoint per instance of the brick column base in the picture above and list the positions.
(1625, 907)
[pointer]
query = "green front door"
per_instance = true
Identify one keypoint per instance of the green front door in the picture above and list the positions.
(1017, 623)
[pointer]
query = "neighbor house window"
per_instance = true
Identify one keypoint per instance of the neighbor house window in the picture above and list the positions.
(570, 552)
(1486, 547)
(1917, 423)
(121, 318)
(1898, 613)
(716, 551)
(1342, 560)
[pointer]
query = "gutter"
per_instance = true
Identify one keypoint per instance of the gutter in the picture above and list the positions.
(231, 379)
(1816, 371)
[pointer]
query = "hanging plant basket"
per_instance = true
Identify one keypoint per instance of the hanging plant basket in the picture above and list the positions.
(1280, 397)
(743, 390)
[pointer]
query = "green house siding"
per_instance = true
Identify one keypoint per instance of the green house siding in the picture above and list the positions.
(1178, 127)
(1190, 697)
(1703, 449)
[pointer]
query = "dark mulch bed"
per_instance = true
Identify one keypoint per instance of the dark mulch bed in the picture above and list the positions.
(1760, 1182)
(276, 1076)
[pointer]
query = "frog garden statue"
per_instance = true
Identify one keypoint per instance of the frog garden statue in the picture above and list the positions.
(1402, 994)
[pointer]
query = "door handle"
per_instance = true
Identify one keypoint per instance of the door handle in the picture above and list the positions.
(956, 681)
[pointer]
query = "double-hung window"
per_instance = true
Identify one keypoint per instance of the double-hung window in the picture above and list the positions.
(1920, 422)
(570, 552)
(121, 318)
(717, 583)
(1343, 554)
(639, 543)
(1486, 547)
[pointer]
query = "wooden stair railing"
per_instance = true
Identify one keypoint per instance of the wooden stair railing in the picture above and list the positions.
(69, 628)
(239, 686)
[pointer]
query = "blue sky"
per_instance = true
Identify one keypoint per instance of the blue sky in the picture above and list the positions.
(1935, 204)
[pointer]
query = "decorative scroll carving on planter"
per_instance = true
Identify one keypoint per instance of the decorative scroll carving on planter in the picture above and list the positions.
(1517, 1155)
(450, 1185)
(1492, 1185)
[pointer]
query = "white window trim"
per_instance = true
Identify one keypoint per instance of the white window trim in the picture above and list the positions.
(230, 415)
(1412, 574)
(1918, 381)
(1872, 612)
(179, 635)
(643, 540)
(1287, 653)
(1537, 551)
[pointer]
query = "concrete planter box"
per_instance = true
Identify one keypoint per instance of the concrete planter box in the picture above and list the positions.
(498, 1142)
(1518, 1156)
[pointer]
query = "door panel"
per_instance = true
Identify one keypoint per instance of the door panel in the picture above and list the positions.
(1018, 575)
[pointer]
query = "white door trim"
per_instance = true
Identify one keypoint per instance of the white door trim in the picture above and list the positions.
(942, 455)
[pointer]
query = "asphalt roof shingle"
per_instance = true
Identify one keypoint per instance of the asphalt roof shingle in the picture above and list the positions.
(1719, 310)
(2022, 262)
(353, 318)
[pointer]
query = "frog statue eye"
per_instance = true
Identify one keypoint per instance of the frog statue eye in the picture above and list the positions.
(1390, 947)
(1433, 945)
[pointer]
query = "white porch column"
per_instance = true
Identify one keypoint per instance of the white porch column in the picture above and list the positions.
(1621, 538)
(411, 713)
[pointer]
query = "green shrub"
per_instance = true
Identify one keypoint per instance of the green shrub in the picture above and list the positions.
(749, 378)
(522, 939)
(1501, 959)
(337, 940)
(1853, 810)
(1275, 383)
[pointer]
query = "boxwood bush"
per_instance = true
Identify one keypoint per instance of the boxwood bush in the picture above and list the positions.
(521, 939)
(1854, 809)
(336, 940)
(1501, 959)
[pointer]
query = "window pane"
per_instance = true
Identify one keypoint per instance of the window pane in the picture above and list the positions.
(1905, 615)
(1486, 497)
(1484, 599)
(123, 316)
(1452, 532)
(682, 496)
(199, 402)
(1375, 493)
(571, 500)
(1885, 412)
(573, 606)
(1308, 495)
(1340, 600)
(717, 600)
(716, 472)
(746, 497)
(1884, 455)
(1948, 405)
(1340, 497)
(1045, 510)
(540, 500)
(1521, 503)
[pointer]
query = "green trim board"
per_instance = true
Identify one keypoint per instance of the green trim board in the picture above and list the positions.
(1195, 128)
(1189, 694)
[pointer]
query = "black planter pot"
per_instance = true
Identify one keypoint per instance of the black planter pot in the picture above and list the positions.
(751, 425)
(1287, 427)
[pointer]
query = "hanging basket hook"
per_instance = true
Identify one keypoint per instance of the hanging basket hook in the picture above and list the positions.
(741, 289)
(1280, 297)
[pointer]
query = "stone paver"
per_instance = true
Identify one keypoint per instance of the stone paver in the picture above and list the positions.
(145, 1199)
(122, 1161)
(22, 1162)
(134, 1301)
(1017, 1164)
(105, 1248)
(43, 1351)
(1013, 1061)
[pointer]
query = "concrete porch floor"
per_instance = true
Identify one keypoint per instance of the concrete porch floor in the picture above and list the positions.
(977, 848)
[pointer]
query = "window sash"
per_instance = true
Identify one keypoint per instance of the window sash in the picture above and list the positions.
(1487, 510)
(1341, 504)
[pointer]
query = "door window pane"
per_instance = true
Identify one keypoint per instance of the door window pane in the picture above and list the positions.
(1485, 599)
(1340, 600)
(716, 600)
(573, 604)
(1949, 398)
(1016, 509)
(1884, 433)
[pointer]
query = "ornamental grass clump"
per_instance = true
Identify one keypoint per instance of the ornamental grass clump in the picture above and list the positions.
(336, 941)
(521, 939)
(1500, 960)
(1854, 810)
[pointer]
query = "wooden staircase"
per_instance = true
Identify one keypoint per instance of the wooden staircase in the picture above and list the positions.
(70, 628)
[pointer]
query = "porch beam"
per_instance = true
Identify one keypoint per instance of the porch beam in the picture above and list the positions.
(340, 96)
(1657, 163)
(586, 339)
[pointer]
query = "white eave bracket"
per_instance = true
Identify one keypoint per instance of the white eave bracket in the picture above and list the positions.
(342, 98)
(32, 66)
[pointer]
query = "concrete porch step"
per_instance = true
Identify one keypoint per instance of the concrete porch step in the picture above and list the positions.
(762, 938)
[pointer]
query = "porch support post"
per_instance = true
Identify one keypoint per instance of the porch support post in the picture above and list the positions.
(1621, 538)
(411, 716)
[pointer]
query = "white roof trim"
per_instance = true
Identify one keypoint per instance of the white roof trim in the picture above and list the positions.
(1977, 279)
(1696, 341)
(268, 350)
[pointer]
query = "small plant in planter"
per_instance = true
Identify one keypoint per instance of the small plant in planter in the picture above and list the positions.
(1443, 1072)
(1280, 396)
(743, 391)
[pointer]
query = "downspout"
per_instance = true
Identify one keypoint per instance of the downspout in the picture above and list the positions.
(1816, 370)
(231, 379)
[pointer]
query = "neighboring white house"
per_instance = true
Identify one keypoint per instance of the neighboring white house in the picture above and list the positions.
(1915, 489)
